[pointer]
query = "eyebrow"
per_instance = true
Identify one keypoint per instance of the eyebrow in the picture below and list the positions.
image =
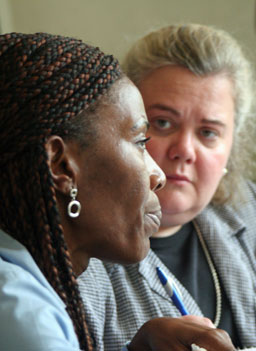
(140, 124)
(164, 108)
(214, 121)
(177, 113)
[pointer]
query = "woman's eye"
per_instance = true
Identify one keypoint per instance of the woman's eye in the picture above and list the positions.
(142, 143)
(209, 134)
(161, 124)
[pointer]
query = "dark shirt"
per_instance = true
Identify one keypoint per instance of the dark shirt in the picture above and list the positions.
(182, 253)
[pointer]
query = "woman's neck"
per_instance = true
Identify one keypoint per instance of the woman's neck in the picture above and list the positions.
(166, 231)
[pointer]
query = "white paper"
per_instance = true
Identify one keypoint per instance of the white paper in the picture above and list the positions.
(194, 347)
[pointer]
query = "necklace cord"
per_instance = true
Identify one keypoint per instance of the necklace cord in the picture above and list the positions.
(214, 275)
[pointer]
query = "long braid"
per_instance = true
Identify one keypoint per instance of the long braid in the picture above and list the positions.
(45, 81)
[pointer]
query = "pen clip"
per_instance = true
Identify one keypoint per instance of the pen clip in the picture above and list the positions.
(175, 287)
(164, 279)
(172, 290)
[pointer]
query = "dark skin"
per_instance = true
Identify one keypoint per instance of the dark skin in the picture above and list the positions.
(178, 334)
(116, 180)
(123, 194)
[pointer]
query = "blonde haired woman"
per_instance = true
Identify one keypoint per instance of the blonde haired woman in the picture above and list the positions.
(197, 89)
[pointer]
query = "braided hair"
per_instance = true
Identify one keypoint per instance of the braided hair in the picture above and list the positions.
(45, 82)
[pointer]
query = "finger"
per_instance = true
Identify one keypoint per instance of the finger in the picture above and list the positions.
(206, 322)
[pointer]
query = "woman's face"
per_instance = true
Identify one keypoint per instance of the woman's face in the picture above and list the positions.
(191, 129)
(117, 180)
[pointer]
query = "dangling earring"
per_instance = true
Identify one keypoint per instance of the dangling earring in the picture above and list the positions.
(74, 206)
(225, 171)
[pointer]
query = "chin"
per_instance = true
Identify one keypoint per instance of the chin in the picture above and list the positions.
(176, 218)
(137, 254)
(177, 203)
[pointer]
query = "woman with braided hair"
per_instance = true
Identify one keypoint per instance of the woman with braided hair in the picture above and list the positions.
(76, 182)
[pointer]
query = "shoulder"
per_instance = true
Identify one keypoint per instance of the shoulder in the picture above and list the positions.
(234, 223)
(96, 290)
(243, 211)
(99, 300)
(251, 186)
(28, 305)
(95, 277)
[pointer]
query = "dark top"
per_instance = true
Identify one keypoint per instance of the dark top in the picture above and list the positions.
(182, 253)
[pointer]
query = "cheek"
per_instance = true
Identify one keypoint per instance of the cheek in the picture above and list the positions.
(157, 150)
(210, 169)
(127, 189)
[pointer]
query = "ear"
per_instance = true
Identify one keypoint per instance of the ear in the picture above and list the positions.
(62, 163)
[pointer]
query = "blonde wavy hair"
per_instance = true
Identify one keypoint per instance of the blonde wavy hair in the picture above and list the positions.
(205, 50)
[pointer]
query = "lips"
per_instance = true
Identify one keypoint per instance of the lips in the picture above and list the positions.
(177, 177)
(155, 217)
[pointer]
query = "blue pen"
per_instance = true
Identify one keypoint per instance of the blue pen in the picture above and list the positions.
(171, 291)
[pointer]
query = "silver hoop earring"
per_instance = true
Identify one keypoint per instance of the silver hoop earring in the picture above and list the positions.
(74, 206)
(225, 171)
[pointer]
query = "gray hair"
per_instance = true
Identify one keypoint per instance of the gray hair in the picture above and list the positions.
(204, 50)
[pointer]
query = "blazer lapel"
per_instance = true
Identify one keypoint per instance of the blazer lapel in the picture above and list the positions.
(148, 270)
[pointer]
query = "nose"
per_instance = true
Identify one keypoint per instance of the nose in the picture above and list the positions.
(182, 148)
(157, 176)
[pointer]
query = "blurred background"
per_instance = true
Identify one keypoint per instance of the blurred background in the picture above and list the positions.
(113, 25)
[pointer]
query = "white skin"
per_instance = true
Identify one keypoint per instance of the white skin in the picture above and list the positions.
(191, 129)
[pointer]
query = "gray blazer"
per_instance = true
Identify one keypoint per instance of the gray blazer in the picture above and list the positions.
(119, 299)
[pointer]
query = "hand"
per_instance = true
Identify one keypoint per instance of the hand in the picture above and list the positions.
(178, 334)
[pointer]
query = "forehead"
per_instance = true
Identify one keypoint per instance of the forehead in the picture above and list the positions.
(177, 77)
(175, 84)
(124, 109)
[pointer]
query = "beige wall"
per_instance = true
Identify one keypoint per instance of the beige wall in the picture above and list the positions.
(6, 24)
(114, 24)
